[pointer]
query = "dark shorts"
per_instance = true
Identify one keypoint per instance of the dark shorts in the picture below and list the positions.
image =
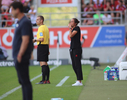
(42, 52)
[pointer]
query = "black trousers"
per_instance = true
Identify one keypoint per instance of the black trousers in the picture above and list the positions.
(76, 62)
(23, 78)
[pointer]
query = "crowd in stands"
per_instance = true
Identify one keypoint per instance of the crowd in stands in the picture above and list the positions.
(95, 12)
(103, 11)
(8, 20)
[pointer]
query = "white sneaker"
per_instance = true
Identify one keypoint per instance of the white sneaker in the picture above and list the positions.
(77, 84)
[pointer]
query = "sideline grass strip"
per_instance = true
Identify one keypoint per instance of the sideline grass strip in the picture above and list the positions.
(98, 89)
(16, 88)
(45, 91)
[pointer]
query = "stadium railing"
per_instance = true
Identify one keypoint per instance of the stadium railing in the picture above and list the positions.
(62, 19)
(103, 12)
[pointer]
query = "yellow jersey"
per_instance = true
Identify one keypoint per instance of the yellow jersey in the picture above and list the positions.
(43, 32)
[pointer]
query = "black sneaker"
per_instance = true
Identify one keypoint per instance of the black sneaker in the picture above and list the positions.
(41, 82)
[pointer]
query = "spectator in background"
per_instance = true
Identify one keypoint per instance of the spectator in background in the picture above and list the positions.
(97, 5)
(17, 0)
(88, 21)
(5, 5)
(103, 4)
(96, 1)
(26, 7)
(87, 9)
(10, 21)
(86, 6)
(0, 6)
(126, 4)
(122, 8)
(109, 7)
(113, 5)
(32, 13)
(28, 2)
(7, 22)
(3, 23)
(5, 14)
(116, 3)
(4, 18)
(98, 17)
(89, 15)
(23, 1)
(82, 5)
(91, 3)
(107, 19)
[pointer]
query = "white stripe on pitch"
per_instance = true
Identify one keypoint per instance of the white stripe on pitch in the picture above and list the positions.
(9, 92)
(62, 81)
(96, 36)
(13, 90)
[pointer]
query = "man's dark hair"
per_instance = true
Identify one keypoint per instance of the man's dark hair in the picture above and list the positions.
(17, 5)
(76, 21)
(41, 17)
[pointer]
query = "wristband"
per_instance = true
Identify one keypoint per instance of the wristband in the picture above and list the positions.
(70, 28)
(35, 40)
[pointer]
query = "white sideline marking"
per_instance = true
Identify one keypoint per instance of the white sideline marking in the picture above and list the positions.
(13, 90)
(9, 92)
(62, 81)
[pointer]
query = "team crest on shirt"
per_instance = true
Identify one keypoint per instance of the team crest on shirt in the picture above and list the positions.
(41, 34)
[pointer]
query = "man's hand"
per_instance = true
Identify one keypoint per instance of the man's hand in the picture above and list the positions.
(19, 58)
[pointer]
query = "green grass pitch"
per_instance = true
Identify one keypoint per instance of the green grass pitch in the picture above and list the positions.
(9, 80)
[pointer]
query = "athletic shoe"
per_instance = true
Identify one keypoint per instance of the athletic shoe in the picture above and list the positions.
(41, 82)
(77, 84)
(48, 82)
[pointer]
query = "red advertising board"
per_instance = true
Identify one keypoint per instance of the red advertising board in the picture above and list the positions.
(56, 1)
(6, 36)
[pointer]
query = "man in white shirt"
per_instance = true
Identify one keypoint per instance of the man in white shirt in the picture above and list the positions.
(107, 19)
(32, 13)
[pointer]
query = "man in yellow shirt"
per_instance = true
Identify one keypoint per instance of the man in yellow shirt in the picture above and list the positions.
(43, 49)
